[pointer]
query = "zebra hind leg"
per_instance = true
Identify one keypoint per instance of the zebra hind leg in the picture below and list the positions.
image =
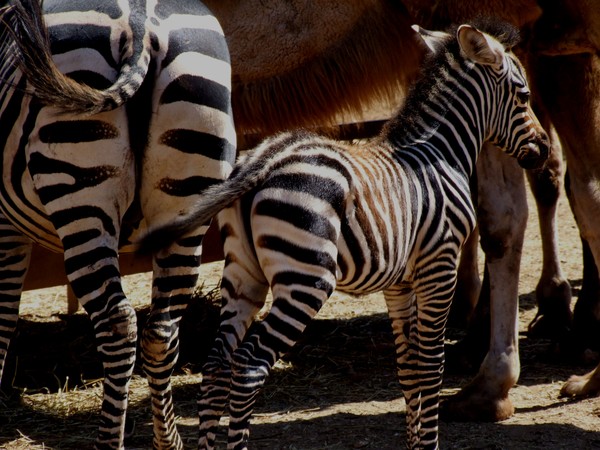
(294, 306)
(15, 253)
(176, 271)
(243, 295)
(115, 328)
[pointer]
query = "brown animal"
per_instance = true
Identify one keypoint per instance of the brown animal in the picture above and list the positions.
(318, 69)
(567, 72)
(330, 50)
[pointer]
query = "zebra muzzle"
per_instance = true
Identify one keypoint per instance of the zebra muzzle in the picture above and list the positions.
(534, 154)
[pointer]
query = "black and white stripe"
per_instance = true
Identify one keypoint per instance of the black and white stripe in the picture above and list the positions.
(139, 127)
(304, 215)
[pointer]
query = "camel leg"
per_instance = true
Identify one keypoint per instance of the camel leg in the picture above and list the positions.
(502, 217)
(553, 292)
(468, 286)
(584, 319)
(587, 385)
(586, 316)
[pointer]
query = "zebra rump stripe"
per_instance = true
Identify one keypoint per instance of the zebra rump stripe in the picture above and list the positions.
(304, 215)
(114, 116)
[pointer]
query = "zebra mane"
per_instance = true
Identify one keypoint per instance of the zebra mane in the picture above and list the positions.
(432, 71)
(504, 32)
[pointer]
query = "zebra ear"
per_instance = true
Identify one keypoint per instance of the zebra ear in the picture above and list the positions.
(479, 47)
(433, 39)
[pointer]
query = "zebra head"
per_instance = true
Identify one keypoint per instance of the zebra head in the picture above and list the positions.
(511, 122)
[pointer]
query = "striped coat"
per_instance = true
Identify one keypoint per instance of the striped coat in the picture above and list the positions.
(139, 127)
(304, 215)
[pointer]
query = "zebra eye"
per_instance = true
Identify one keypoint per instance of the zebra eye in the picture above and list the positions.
(523, 97)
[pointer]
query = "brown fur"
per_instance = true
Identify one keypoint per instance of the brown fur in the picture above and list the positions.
(569, 83)
(358, 53)
(318, 63)
(568, 28)
(441, 13)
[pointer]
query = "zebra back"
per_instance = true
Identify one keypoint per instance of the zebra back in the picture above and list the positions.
(33, 56)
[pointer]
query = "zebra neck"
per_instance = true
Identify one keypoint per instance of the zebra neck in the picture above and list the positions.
(445, 115)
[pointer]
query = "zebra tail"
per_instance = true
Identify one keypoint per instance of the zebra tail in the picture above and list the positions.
(31, 52)
(247, 175)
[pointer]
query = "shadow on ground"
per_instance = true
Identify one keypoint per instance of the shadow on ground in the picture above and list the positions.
(337, 362)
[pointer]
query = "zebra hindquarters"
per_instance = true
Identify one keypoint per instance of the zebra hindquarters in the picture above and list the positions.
(15, 253)
(191, 140)
(191, 145)
(84, 174)
(297, 255)
(418, 322)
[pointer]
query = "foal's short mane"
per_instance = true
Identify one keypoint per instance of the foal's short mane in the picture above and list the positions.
(506, 33)
(433, 67)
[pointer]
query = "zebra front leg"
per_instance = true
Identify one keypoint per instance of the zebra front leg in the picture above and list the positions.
(418, 324)
(401, 304)
(15, 253)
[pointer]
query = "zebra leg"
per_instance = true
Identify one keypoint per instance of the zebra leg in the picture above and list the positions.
(243, 291)
(175, 277)
(297, 297)
(419, 330)
(553, 291)
(401, 304)
(191, 146)
(502, 217)
(15, 252)
(86, 182)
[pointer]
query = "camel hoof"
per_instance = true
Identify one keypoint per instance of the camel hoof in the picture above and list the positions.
(465, 356)
(581, 386)
(468, 406)
(554, 318)
(549, 326)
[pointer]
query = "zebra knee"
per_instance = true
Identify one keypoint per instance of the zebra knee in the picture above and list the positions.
(248, 372)
(121, 326)
(157, 343)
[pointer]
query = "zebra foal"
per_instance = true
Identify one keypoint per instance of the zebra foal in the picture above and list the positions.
(304, 215)
(123, 141)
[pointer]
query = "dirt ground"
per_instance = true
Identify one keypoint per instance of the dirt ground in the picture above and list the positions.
(337, 390)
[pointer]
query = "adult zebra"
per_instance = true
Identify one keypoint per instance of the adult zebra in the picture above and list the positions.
(83, 175)
(304, 215)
